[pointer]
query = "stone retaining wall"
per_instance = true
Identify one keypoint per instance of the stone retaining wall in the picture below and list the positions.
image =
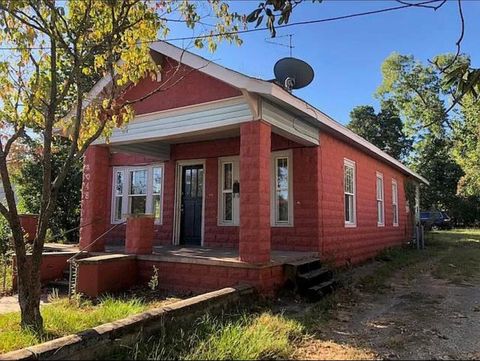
(107, 338)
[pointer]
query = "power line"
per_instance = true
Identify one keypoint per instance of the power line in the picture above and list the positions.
(246, 31)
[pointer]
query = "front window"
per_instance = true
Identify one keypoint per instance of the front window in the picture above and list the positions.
(229, 201)
(380, 204)
(349, 192)
(137, 195)
(227, 192)
(137, 190)
(282, 189)
(157, 177)
(395, 202)
(118, 188)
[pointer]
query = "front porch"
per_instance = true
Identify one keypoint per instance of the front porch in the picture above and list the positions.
(209, 256)
(204, 209)
(182, 269)
(231, 194)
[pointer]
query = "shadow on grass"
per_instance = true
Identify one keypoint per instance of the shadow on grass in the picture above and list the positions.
(289, 327)
(242, 332)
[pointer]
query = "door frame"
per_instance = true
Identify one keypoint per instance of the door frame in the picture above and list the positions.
(178, 198)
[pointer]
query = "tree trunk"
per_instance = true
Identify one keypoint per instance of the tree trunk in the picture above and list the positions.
(29, 299)
(29, 292)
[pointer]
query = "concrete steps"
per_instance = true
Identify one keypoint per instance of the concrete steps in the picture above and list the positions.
(310, 279)
(60, 284)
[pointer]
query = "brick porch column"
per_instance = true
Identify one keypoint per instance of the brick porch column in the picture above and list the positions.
(139, 234)
(255, 144)
(94, 197)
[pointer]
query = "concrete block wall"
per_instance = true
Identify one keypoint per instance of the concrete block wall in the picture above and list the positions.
(193, 87)
(317, 199)
(356, 244)
(302, 237)
(184, 277)
(105, 274)
(52, 267)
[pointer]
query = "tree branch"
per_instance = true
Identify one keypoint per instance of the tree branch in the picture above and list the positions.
(458, 43)
(18, 133)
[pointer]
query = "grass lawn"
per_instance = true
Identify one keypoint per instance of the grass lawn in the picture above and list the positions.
(236, 335)
(63, 317)
(261, 330)
(264, 332)
(459, 255)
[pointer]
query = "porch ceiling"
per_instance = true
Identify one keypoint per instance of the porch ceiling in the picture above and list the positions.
(160, 149)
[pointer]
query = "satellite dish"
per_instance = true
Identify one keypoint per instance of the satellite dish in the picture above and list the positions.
(293, 73)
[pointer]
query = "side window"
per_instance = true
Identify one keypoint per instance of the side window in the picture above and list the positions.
(395, 202)
(380, 202)
(349, 189)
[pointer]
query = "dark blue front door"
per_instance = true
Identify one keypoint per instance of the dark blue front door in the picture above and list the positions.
(191, 206)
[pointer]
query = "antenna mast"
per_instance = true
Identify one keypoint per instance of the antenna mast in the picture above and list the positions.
(290, 45)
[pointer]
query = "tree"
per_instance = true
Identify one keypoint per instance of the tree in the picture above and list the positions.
(445, 148)
(433, 160)
(416, 91)
(28, 181)
(466, 150)
(384, 129)
(55, 52)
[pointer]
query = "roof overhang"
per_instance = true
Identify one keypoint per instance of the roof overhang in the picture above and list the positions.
(274, 93)
(280, 96)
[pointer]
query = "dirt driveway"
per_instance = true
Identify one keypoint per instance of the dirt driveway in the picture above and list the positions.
(427, 309)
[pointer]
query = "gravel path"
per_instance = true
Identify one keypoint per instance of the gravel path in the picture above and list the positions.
(417, 317)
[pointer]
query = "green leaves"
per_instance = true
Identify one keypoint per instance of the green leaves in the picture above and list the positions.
(416, 91)
(447, 144)
(273, 9)
(466, 149)
(253, 16)
(384, 129)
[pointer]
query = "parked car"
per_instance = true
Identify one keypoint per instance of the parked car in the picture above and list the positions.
(435, 220)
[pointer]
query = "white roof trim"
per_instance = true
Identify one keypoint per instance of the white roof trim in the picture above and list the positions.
(262, 87)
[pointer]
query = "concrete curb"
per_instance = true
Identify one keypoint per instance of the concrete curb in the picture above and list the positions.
(104, 339)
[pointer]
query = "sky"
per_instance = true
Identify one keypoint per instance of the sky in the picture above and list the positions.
(346, 55)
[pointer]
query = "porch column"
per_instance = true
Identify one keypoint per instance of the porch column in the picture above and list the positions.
(255, 145)
(94, 198)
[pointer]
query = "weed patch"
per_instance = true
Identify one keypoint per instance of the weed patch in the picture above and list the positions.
(64, 317)
(240, 335)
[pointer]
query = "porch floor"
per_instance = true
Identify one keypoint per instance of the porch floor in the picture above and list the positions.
(217, 256)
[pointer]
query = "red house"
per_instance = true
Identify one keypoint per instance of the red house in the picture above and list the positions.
(240, 177)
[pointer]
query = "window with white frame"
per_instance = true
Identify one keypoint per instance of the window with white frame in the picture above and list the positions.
(349, 192)
(228, 201)
(137, 190)
(282, 200)
(395, 202)
(118, 189)
(157, 191)
(380, 201)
